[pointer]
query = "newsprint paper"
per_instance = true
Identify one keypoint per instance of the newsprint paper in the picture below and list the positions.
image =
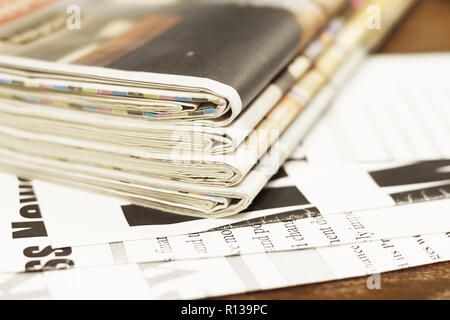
(189, 279)
(298, 190)
(192, 185)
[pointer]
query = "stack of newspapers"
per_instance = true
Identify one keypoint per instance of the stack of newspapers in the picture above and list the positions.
(128, 129)
(182, 108)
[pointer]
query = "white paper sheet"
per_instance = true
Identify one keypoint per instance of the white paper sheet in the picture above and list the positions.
(26, 246)
(394, 108)
(75, 217)
(189, 279)
(276, 228)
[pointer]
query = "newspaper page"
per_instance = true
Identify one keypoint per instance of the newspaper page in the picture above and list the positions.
(406, 117)
(26, 232)
(195, 279)
(299, 190)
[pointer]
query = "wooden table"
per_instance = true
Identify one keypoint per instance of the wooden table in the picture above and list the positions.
(426, 28)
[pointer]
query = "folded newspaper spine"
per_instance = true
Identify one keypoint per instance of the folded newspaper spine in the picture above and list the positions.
(201, 185)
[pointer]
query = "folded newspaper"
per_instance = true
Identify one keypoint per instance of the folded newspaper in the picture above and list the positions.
(201, 63)
(129, 141)
(176, 182)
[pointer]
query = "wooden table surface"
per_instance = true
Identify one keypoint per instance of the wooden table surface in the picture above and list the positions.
(425, 29)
